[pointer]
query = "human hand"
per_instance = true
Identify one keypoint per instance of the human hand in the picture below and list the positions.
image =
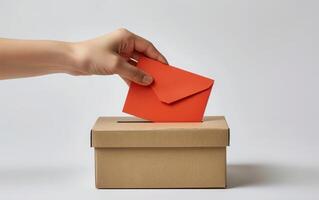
(113, 53)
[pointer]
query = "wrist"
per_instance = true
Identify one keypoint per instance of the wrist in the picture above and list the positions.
(56, 56)
(76, 55)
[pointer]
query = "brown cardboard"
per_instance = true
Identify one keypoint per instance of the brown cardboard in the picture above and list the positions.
(130, 153)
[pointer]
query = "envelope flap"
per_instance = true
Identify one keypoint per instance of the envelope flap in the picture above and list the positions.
(172, 84)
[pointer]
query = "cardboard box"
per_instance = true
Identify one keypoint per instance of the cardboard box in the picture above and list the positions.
(131, 153)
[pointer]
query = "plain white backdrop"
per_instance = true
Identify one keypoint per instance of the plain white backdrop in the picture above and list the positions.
(262, 54)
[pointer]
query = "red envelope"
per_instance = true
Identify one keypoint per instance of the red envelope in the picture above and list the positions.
(175, 95)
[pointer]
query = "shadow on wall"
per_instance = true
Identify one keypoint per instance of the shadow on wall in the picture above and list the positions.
(242, 175)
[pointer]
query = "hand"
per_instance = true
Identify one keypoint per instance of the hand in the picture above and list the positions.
(113, 53)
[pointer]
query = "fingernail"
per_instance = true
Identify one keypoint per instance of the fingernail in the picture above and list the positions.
(147, 79)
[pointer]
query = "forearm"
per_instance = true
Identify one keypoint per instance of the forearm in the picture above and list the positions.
(104, 55)
(23, 58)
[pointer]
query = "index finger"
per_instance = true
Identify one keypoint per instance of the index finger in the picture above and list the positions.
(147, 48)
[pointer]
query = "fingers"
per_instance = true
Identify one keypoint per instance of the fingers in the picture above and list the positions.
(140, 45)
(132, 73)
(135, 56)
(147, 48)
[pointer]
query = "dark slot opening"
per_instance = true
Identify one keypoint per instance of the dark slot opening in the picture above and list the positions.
(133, 121)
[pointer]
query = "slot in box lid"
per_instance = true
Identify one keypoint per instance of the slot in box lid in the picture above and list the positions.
(125, 132)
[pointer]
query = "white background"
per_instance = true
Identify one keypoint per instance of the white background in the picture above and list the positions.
(263, 56)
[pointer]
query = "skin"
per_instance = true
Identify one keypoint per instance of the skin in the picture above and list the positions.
(113, 53)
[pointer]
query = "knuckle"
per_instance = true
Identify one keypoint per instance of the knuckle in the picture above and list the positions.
(125, 34)
(150, 47)
(149, 44)
(123, 31)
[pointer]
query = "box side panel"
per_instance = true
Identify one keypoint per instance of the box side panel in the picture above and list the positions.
(95, 167)
(160, 167)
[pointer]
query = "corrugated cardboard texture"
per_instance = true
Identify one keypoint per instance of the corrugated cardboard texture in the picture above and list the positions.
(161, 167)
(110, 132)
(130, 153)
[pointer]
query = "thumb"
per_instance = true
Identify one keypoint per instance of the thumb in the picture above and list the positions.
(133, 73)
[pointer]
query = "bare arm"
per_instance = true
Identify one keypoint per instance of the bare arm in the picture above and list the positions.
(23, 58)
(104, 55)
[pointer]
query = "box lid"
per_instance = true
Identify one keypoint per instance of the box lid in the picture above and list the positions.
(124, 132)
